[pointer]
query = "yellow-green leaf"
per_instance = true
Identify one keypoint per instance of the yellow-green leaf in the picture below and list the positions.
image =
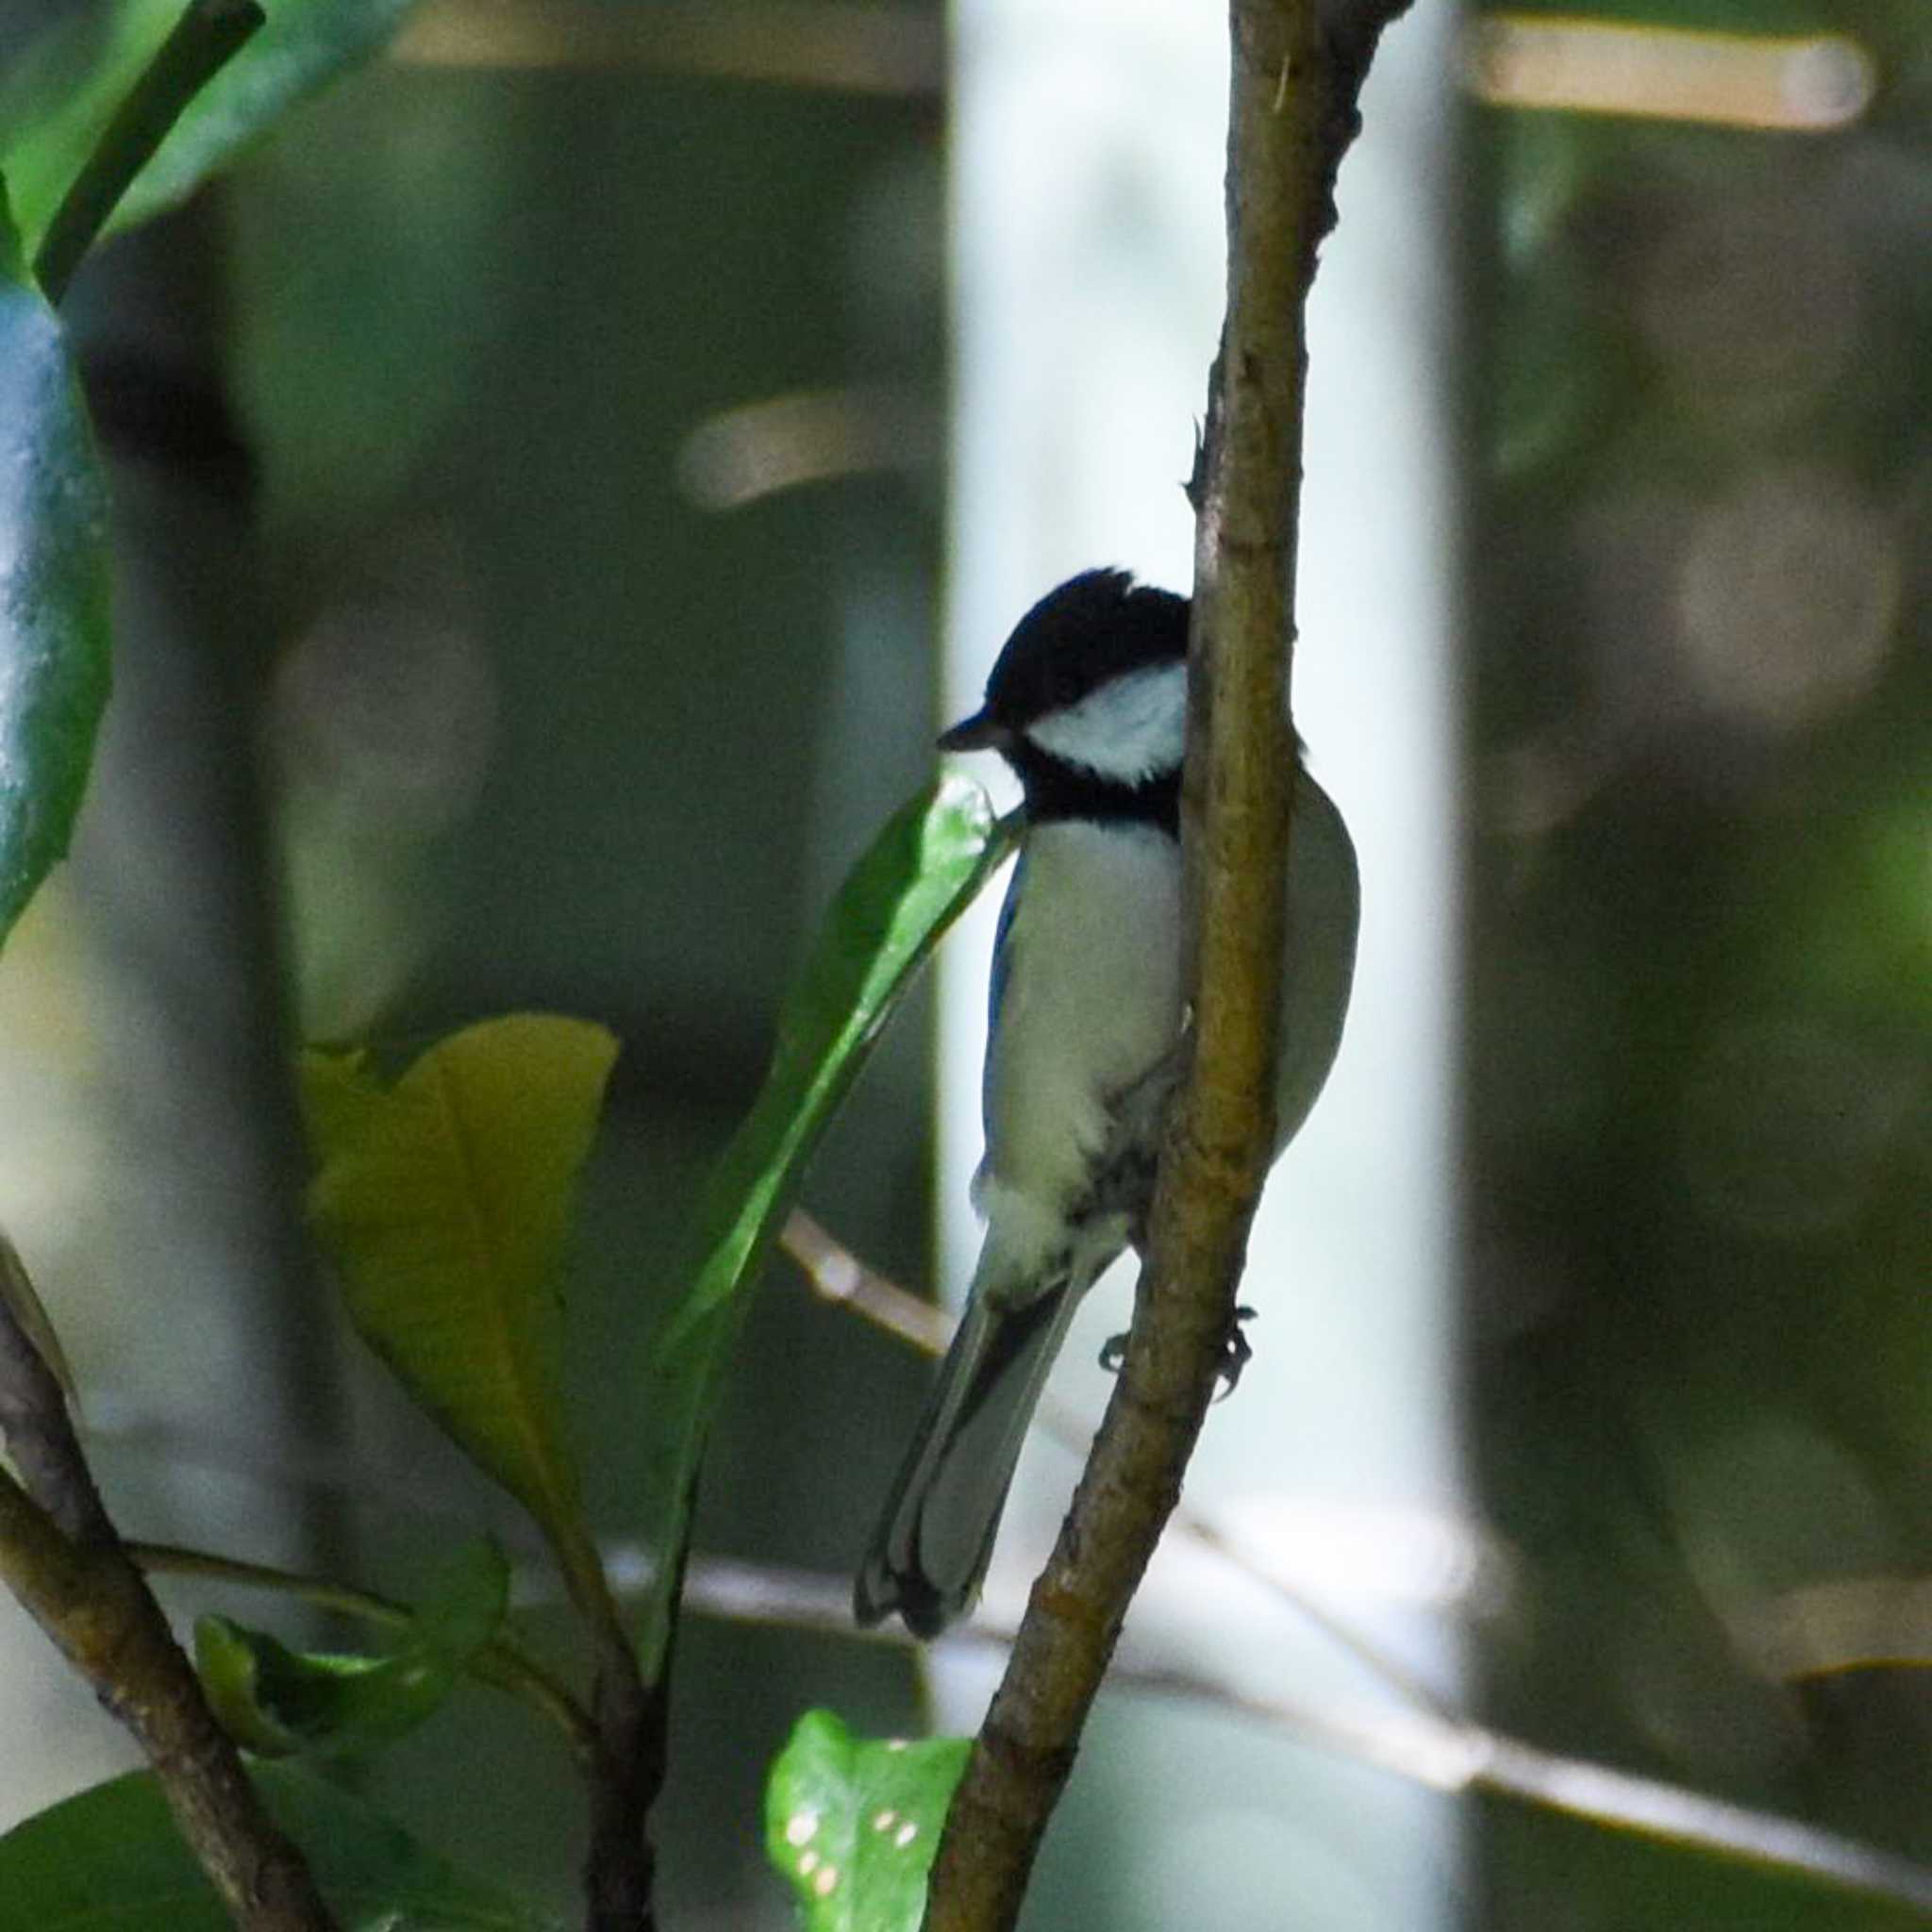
(446, 1200)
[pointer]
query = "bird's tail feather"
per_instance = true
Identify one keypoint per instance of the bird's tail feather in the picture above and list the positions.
(935, 1537)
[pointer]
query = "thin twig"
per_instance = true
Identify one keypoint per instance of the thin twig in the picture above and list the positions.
(838, 1275)
(1445, 1752)
(61, 1557)
(206, 38)
(888, 51)
(1291, 115)
(1453, 1756)
(498, 1663)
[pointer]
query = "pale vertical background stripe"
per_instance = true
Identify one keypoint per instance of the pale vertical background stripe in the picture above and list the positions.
(1088, 145)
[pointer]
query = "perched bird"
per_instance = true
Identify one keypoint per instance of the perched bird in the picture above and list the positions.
(1087, 703)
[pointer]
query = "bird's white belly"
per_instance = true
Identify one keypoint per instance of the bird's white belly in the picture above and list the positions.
(1092, 1000)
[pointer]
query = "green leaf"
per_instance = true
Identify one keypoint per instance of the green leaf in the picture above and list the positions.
(277, 1702)
(63, 91)
(112, 1857)
(54, 633)
(852, 1823)
(919, 874)
(445, 1201)
(466, 1603)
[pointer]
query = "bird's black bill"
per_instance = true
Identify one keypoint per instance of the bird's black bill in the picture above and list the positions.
(977, 733)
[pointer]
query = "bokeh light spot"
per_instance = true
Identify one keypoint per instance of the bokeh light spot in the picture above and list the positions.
(1787, 595)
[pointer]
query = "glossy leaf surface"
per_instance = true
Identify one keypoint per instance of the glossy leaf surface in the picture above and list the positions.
(54, 628)
(919, 874)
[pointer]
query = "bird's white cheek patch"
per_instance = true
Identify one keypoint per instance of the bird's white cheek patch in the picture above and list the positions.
(1126, 730)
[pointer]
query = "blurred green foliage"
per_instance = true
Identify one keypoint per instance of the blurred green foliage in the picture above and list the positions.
(59, 90)
(112, 1855)
(1699, 727)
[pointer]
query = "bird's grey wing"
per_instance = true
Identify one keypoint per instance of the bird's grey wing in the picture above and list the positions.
(1324, 912)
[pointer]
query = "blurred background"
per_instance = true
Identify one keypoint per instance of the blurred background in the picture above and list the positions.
(564, 481)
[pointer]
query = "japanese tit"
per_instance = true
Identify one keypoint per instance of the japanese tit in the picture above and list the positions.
(1087, 703)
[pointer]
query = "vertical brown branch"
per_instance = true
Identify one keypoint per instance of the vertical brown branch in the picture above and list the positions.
(1296, 70)
(61, 1557)
(627, 1776)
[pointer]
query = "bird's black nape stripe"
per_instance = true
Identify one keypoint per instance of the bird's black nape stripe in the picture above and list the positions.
(1057, 789)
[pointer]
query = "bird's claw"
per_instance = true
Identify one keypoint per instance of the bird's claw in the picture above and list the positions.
(1236, 1353)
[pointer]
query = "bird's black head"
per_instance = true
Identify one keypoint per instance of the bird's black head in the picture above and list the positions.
(1087, 702)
